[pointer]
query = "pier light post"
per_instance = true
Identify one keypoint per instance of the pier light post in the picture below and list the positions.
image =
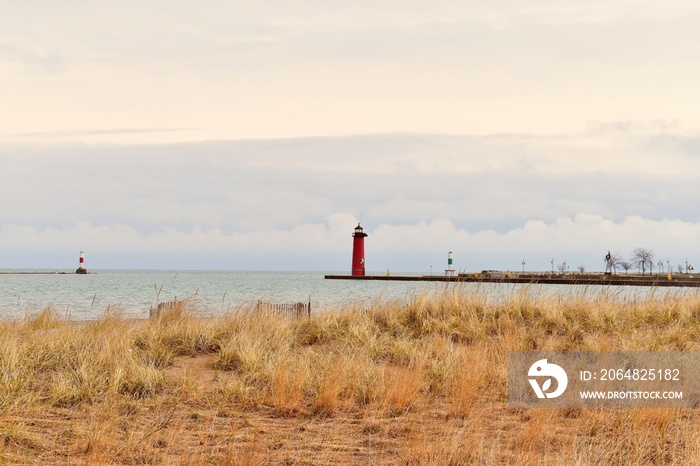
(523, 265)
(358, 251)
(450, 270)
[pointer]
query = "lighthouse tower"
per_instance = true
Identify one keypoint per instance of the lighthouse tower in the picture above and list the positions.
(450, 270)
(81, 268)
(358, 252)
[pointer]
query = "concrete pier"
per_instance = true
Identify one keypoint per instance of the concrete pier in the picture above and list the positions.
(614, 280)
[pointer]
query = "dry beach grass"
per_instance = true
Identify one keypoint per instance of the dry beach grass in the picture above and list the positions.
(422, 382)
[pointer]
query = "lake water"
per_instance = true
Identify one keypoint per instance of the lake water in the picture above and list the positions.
(134, 292)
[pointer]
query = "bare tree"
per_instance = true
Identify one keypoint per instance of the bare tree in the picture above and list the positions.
(643, 259)
(626, 266)
(581, 268)
(617, 261)
(680, 268)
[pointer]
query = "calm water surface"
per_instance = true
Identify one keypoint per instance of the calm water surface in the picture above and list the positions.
(133, 292)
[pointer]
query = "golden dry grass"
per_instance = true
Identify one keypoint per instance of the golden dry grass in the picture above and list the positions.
(423, 382)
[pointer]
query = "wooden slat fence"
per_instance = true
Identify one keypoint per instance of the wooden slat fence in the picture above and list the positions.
(165, 306)
(295, 310)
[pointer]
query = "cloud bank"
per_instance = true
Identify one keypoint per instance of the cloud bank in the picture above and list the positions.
(494, 200)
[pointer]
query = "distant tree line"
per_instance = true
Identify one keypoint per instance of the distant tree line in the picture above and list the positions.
(643, 260)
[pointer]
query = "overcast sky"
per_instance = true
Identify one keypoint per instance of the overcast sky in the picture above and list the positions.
(254, 135)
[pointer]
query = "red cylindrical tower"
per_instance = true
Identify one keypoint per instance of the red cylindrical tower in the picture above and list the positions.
(358, 251)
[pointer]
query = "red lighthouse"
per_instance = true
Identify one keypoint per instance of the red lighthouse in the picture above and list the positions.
(358, 251)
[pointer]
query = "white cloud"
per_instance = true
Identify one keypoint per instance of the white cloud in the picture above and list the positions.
(327, 245)
(584, 239)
